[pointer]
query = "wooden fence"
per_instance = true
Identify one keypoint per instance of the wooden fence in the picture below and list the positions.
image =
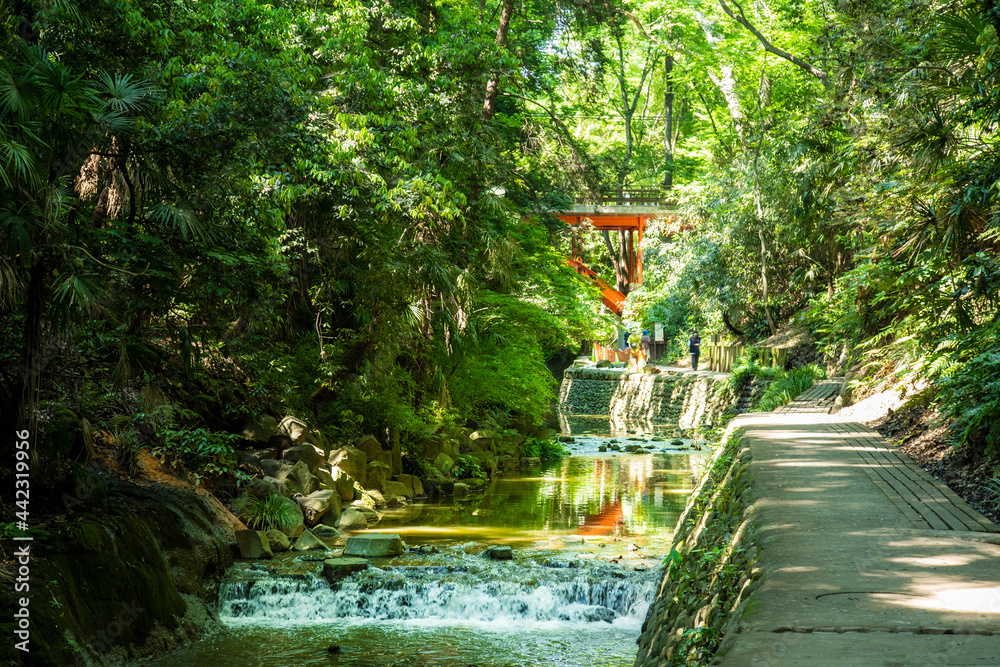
(719, 358)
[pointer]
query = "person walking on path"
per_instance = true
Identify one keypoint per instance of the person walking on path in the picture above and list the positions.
(694, 347)
(644, 347)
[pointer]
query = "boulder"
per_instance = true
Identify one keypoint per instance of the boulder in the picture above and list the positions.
(444, 463)
(399, 489)
(474, 483)
(460, 489)
(487, 461)
(351, 460)
(482, 439)
(413, 483)
(308, 454)
(377, 474)
(325, 531)
(307, 481)
(261, 428)
(508, 463)
(261, 488)
(499, 552)
(604, 363)
(296, 522)
(278, 540)
(602, 448)
(253, 544)
(369, 445)
(335, 569)
(343, 484)
(275, 468)
(377, 497)
(531, 462)
(650, 370)
(513, 440)
(286, 487)
(315, 505)
(352, 519)
(293, 428)
(386, 458)
(307, 542)
(374, 545)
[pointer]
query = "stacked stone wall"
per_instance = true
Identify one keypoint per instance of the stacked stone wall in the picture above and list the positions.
(681, 400)
(711, 570)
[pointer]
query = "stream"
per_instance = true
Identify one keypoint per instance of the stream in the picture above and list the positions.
(588, 532)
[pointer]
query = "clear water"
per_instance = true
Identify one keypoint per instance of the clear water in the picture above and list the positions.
(560, 602)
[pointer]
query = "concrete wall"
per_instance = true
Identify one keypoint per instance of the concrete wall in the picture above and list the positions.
(681, 400)
(711, 570)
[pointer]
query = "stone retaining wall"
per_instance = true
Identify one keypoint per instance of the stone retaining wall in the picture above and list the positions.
(711, 569)
(679, 399)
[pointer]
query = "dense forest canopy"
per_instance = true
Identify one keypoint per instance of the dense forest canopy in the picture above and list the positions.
(211, 210)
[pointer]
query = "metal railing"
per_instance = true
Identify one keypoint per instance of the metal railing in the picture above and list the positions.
(628, 197)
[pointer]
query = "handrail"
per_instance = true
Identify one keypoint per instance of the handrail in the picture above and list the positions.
(627, 197)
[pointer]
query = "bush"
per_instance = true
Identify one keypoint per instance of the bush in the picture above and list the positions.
(466, 467)
(792, 383)
(207, 455)
(546, 450)
(270, 513)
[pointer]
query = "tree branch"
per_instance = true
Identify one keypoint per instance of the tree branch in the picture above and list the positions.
(795, 60)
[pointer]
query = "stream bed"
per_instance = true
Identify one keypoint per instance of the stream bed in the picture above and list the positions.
(588, 533)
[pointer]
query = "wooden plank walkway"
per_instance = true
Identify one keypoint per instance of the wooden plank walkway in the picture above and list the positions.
(924, 500)
(817, 399)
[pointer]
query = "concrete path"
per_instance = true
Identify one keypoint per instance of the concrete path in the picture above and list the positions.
(867, 559)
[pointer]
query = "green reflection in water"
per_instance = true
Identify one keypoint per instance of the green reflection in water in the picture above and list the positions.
(610, 500)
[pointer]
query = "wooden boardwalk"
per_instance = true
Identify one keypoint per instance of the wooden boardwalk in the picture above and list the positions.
(817, 399)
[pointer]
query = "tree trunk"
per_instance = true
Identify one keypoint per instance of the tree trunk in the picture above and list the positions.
(619, 260)
(668, 123)
(493, 85)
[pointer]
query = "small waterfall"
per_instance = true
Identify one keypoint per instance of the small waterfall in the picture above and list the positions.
(484, 593)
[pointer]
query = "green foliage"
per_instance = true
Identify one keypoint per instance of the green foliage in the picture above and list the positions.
(466, 467)
(785, 388)
(207, 455)
(268, 513)
(547, 450)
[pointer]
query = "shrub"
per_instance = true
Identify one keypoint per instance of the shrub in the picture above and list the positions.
(207, 455)
(270, 513)
(546, 450)
(790, 384)
(466, 467)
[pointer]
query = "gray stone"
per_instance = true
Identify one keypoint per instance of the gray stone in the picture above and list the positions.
(352, 519)
(261, 488)
(260, 428)
(286, 487)
(377, 475)
(307, 542)
(325, 531)
(335, 569)
(253, 544)
(374, 545)
(398, 489)
(308, 454)
(444, 463)
(460, 489)
(351, 460)
(275, 468)
(370, 446)
(294, 428)
(315, 505)
(307, 481)
(499, 552)
(278, 540)
(531, 462)
(508, 463)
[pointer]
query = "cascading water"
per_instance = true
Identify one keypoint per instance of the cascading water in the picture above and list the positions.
(483, 592)
(588, 535)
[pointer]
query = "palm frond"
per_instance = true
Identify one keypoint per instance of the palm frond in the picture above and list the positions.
(181, 217)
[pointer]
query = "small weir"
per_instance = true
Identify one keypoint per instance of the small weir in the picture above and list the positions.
(588, 534)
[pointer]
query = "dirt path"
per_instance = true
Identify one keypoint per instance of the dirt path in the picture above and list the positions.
(867, 559)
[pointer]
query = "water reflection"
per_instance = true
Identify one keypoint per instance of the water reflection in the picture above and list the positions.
(617, 496)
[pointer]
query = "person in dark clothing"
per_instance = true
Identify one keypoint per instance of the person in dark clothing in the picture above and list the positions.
(694, 347)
